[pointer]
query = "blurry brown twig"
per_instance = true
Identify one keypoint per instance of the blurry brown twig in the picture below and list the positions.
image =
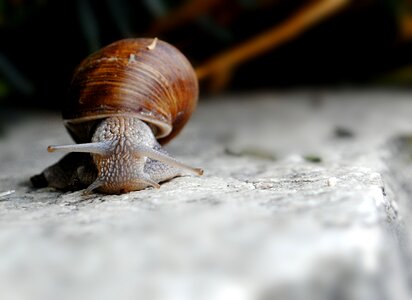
(220, 67)
(405, 24)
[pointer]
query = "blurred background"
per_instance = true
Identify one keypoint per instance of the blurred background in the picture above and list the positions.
(235, 45)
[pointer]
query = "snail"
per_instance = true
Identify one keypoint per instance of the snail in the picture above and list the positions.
(124, 103)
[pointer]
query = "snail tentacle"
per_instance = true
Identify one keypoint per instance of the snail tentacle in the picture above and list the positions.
(149, 182)
(96, 184)
(143, 150)
(101, 148)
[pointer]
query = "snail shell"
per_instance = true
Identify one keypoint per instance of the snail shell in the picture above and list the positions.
(144, 78)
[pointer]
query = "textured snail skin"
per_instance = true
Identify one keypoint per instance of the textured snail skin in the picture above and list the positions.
(121, 170)
(124, 102)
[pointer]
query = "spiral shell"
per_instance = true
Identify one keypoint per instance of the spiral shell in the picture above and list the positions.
(148, 79)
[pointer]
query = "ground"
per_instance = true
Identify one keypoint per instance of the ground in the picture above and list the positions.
(305, 195)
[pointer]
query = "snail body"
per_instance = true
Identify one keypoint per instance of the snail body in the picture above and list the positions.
(125, 101)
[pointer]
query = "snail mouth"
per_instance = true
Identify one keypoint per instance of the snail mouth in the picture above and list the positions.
(113, 186)
(125, 188)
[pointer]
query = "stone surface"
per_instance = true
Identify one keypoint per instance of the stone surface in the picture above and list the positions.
(305, 196)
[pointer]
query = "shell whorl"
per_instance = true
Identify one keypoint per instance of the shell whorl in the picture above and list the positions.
(156, 84)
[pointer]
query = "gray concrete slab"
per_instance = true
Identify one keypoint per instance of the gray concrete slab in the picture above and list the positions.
(303, 197)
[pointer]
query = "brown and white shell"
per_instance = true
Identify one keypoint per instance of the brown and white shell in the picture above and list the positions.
(141, 77)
